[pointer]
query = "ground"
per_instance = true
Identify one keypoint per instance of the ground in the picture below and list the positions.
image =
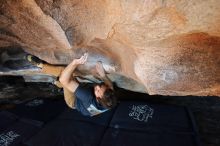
(205, 109)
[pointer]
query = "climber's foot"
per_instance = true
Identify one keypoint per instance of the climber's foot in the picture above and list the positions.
(34, 60)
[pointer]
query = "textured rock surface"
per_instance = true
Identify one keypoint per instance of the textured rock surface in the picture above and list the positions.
(172, 47)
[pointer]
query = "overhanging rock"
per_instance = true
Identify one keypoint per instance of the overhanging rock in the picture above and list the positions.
(170, 47)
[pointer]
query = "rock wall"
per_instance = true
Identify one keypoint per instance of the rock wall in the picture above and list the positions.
(172, 47)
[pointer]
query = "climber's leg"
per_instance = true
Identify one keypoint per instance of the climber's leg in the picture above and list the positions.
(69, 98)
(54, 71)
(45, 68)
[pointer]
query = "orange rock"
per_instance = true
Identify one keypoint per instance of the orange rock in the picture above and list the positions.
(170, 47)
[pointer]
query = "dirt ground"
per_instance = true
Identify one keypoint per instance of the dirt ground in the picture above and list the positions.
(205, 109)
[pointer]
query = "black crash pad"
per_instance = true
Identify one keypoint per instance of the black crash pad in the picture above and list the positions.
(131, 123)
(123, 137)
(146, 116)
(73, 129)
(6, 119)
(68, 133)
(145, 124)
(20, 131)
(40, 109)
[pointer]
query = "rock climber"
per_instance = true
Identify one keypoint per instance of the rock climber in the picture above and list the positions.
(88, 98)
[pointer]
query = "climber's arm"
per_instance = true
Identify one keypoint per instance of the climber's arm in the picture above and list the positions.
(66, 78)
(102, 75)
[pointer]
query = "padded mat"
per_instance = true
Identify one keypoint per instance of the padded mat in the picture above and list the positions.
(68, 133)
(40, 109)
(19, 132)
(144, 116)
(119, 137)
(7, 119)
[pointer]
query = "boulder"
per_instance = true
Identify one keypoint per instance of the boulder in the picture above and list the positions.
(166, 47)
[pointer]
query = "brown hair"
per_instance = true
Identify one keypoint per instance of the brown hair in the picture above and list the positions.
(108, 100)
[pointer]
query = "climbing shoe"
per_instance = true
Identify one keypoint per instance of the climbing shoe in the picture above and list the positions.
(34, 60)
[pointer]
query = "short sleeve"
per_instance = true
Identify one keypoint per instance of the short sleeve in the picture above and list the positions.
(83, 92)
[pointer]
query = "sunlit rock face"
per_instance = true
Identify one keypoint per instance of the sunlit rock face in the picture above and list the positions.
(171, 47)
